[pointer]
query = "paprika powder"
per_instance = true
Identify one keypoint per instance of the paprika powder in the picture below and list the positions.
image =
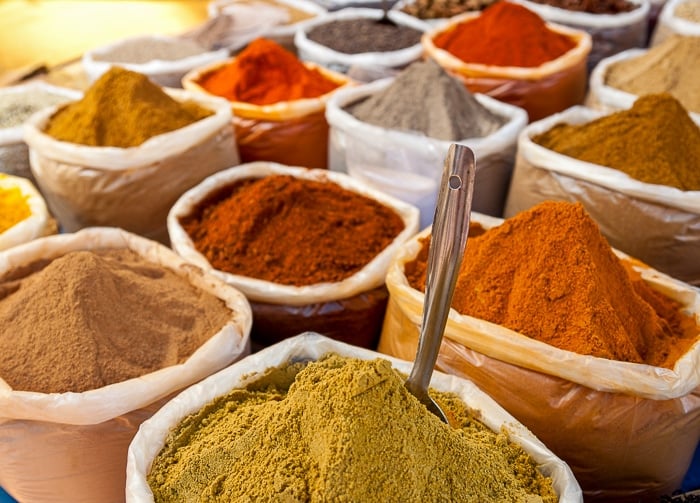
(548, 273)
(289, 230)
(504, 34)
(265, 73)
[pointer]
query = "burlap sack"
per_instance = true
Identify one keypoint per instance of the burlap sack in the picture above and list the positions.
(656, 224)
(151, 438)
(541, 91)
(351, 310)
(628, 431)
(294, 132)
(59, 447)
(409, 166)
(610, 33)
(39, 222)
(132, 188)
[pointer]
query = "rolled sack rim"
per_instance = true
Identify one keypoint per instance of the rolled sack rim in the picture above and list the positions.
(600, 374)
(230, 343)
(282, 110)
(575, 56)
(588, 20)
(153, 150)
(368, 278)
(150, 438)
(35, 224)
(604, 176)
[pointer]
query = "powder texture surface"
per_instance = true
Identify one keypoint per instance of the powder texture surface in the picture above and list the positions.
(93, 318)
(340, 429)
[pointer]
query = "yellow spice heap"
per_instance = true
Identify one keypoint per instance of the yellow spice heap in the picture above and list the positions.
(13, 207)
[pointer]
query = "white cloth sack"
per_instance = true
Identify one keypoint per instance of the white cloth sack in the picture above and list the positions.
(669, 24)
(164, 73)
(409, 166)
(132, 188)
(657, 224)
(151, 437)
(14, 155)
(369, 61)
(38, 223)
(610, 33)
(610, 99)
(369, 277)
(628, 431)
(58, 447)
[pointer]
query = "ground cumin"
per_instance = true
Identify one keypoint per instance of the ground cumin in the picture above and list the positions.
(290, 230)
(93, 318)
(548, 273)
(340, 429)
(122, 109)
(655, 141)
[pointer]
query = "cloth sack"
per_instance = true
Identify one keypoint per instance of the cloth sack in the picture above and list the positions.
(351, 310)
(309, 346)
(366, 62)
(132, 188)
(541, 91)
(656, 224)
(610, 33)
(628, 431)
(14, 154)
(58, 447)
(409, 166)
(669, 24)
(164, 73)
(293, 132)
(39, 222)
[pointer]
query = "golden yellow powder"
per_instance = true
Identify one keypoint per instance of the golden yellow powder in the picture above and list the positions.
(13, 207)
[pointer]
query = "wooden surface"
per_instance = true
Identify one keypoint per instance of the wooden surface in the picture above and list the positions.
(35, 33)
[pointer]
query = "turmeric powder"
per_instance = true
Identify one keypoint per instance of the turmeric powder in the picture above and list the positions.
(13, 206)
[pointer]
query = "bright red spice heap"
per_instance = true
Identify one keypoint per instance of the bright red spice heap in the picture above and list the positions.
(505, 34)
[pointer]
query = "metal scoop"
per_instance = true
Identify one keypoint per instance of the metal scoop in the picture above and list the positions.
(449, 237)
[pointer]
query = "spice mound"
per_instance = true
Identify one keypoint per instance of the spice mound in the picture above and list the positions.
(655, 141)
(340, 429)
(93, 318)
(265, 73)
(290, 230)
(144, 49)
(664, 68)
(13, 206)
(424, 98)
(431, 9)
(592, 6)
(17, 107)
(360, 35)
(122, 109)
(549, 274)
(504, 34)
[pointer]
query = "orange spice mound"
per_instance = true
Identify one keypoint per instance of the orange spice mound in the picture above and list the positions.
(548, 273)
(265, 73)
(505, 34)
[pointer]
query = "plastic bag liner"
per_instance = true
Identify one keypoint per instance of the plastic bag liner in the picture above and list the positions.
(253, 26)
(58, 447)
(132, 188)
(38, 223)
(409, 165)
(289, 132)
(610, 99)
(549, 88)
(656, 224)
(351, 310)
(14, 154)
(669, 24)
(310, 50)
(610, 33)
(166, 73)
(628, 431)
(309, 346)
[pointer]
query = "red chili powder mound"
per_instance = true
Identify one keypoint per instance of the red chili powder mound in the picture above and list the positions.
(265, 73)
(504, 34)
(291, 231)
